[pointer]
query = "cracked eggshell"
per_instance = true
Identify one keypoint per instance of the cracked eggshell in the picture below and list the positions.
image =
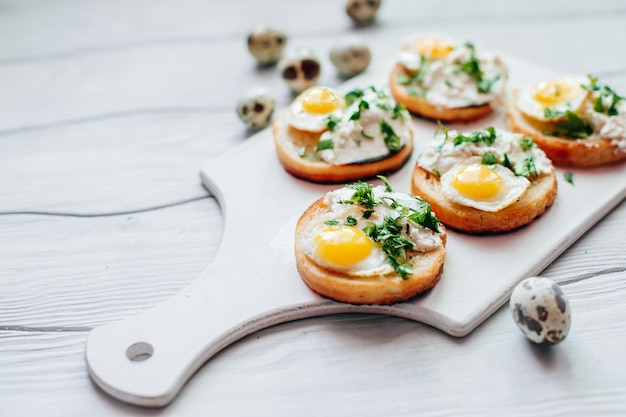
(351, 58)
(255, 108)
(362, 11)
(266, 44)
(300, 69)
(541, 310)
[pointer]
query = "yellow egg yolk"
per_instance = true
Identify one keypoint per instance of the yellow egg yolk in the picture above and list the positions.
(554, 92)
(477, 182)
(434, 48)
(342, 246)
(320, 101)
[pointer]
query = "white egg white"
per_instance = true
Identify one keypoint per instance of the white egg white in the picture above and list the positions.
(300, 119)
(511, 190)
(573, 98)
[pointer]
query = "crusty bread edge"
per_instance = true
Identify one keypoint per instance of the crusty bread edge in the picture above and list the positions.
(421, 107)
(564, 152)
(381, 290)
(322, 172)
(538, 197)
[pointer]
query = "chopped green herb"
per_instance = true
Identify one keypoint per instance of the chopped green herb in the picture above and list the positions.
(357, 114)
(332, 122)
(489, 159)
(363, 194)
(365, 135)
(350, 221)
(392, 141)
(487, 136)
(448, 83)
(573, 126)
(302, 152)
(403, 79)
(389, 234)
(526, 144)
(506, 162)
(436, 171)
(604, 92)
(527, 168)
(325, 144)
(485, 85)
(552, 113)
(569, 177)
(416, 91)
(332, 222)
(353, 96)
(445, 132)
(388, 187)
(398, 111)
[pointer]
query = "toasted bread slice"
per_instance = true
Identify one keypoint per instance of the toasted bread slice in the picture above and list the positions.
(423, 108)
(371, 289)
(564, 152)
(289, 141)
(538, 197)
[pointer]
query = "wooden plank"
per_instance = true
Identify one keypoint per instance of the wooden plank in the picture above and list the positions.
(309, 367)
(68, 272)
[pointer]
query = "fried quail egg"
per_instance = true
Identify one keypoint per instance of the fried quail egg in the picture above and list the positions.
(550, 100)
(433, 47)
(541, 310)
(484, 187)
(310, 110)
(347, 249)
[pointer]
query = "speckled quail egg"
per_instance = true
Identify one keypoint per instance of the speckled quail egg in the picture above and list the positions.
(362, 11)
(266, 44)
(255, 108)
(541, 310)
(300, 69)
(350, 58)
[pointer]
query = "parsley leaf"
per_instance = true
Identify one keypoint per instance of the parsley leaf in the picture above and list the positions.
(350, 221)
(507, 163)
(325, 144)
(388, 187)
(398, 111)
(489, 159)
(573, 126)
(332, 222)
(365, 135)
(569, 177)
(353, 96)
(357, 114)
(552, 113)
(485, 85)
(526, 144)
(392, 141)
(302, 152)
(527, 168)
(363, 194)
(487, 136)
(388, 234)
(332, 122)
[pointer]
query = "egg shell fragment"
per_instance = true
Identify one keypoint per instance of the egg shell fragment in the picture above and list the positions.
(541, 310)
(255, 108)
(266, 44)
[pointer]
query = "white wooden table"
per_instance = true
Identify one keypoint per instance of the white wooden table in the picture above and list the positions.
(108, 109)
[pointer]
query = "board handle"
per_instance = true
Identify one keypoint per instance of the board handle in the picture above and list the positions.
(147, 359)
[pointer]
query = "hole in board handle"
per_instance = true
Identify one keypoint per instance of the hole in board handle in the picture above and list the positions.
(139, 352)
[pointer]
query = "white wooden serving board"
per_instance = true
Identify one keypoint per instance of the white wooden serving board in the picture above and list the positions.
(253, 282)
